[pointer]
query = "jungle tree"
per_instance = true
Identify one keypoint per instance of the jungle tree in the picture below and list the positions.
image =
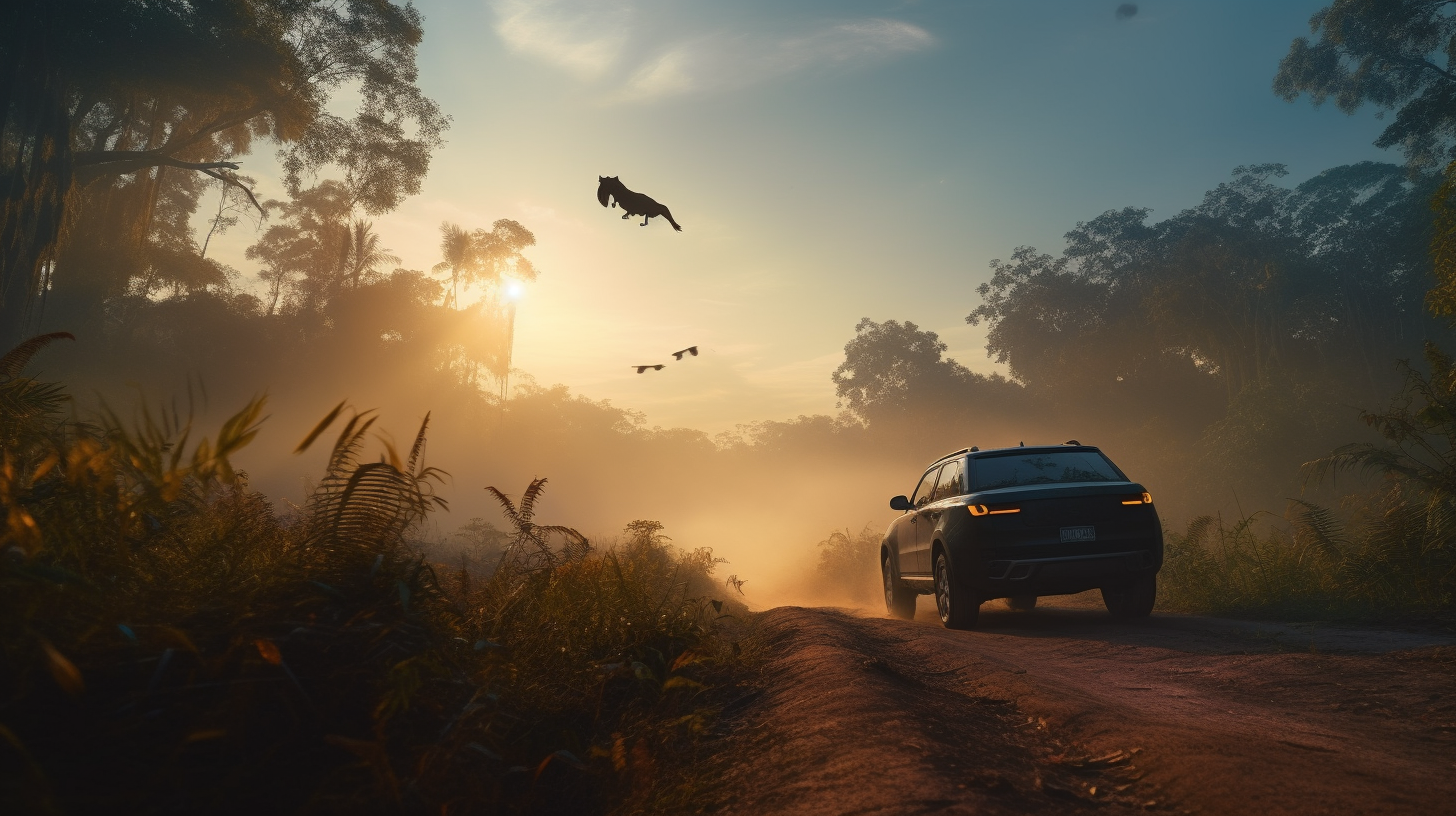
(94, 90)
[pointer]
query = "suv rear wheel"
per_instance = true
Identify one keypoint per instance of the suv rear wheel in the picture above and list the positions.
(958, 608)
(899, 600)
(1134, 599)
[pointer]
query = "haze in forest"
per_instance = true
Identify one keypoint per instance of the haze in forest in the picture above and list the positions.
(908, 228)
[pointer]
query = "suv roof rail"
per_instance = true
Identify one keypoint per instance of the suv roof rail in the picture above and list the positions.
(956, 453)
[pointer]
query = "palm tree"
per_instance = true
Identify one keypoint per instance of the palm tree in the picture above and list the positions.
(457, 247)
(365, 253)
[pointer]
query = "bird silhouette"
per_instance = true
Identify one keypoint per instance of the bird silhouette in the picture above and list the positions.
(642, 368)
(693, 350)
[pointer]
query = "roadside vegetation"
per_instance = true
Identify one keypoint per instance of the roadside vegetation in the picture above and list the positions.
(1391, 550)
(847, 572)
(173, 643)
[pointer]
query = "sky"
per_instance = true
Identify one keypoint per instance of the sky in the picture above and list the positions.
(828, 161)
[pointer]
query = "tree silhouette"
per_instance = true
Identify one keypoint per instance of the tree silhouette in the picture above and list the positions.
(458, 250)
(83, 108)
(484, 256)
(366, 254)
(1387, 53)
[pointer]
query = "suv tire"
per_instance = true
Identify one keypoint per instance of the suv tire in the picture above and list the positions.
(1134, 599)
(899, 600)
(1021, 603)
(958, 608)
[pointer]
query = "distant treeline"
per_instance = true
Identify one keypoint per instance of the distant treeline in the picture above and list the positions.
(1212, 353)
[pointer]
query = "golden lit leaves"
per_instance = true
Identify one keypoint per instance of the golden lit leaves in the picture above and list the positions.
(1441, 299)
(268, 651)
(66, 675)
(320, 428)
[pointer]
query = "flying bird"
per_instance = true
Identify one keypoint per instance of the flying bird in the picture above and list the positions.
(642, 368)
(693, 350)
(610, 187)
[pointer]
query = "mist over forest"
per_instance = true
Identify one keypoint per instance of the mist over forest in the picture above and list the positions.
(1211, 352)
(328, 458)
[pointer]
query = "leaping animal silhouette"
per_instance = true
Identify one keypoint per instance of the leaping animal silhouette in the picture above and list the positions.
(693, 350)
(610, 187)
(641, 369)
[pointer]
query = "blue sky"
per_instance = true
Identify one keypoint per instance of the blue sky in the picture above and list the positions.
(828, 161)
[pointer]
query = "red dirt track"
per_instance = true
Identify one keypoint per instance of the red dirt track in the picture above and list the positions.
(1063, 710)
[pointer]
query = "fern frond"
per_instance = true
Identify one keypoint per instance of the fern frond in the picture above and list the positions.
(508, 507)
(417, 450)
(528, 499)
(17, 358)
(1197, 530)
(1317, 528)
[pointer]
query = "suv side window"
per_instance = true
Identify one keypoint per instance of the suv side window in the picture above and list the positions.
(927, 486)
(949, 485)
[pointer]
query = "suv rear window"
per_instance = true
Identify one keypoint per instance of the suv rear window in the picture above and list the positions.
(1044, 467)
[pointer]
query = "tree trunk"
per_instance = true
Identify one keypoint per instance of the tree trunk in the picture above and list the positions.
(36, 175)
(36, 181)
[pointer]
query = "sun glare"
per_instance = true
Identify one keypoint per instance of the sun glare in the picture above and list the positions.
(514, 291)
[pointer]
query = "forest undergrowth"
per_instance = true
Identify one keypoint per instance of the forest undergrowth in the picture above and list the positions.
(1388, 552)
(175, 643)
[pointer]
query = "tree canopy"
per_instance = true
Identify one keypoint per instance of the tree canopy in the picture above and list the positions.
(1397, 55)
(101, 89)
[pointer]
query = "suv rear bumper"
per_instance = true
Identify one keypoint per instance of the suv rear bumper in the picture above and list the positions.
(1065, 575)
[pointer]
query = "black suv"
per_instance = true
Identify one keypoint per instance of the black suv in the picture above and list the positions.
(1021, 522)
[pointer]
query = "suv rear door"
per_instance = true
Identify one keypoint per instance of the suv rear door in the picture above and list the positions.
(907, 528)
(947, 486)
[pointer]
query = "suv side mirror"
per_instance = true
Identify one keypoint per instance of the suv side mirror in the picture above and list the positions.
(901, 503)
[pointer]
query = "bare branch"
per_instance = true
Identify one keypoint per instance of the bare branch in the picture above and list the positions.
(229, 178)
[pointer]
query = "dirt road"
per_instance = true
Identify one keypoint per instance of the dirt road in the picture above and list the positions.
(1062, 709)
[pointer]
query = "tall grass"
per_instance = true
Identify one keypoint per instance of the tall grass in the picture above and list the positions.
(169, 643)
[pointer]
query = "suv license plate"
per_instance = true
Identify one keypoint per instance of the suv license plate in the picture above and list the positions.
(1073, 534)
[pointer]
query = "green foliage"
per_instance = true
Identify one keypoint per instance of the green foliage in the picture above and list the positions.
(1388, 53)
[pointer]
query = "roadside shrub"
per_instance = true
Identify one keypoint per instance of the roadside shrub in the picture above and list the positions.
(848, 569)
(171, 644)
(1394, 556)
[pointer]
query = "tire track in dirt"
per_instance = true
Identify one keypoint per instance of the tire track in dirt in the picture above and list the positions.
(1060, 710)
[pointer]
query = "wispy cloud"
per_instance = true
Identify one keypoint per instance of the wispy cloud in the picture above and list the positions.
(643, 50)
